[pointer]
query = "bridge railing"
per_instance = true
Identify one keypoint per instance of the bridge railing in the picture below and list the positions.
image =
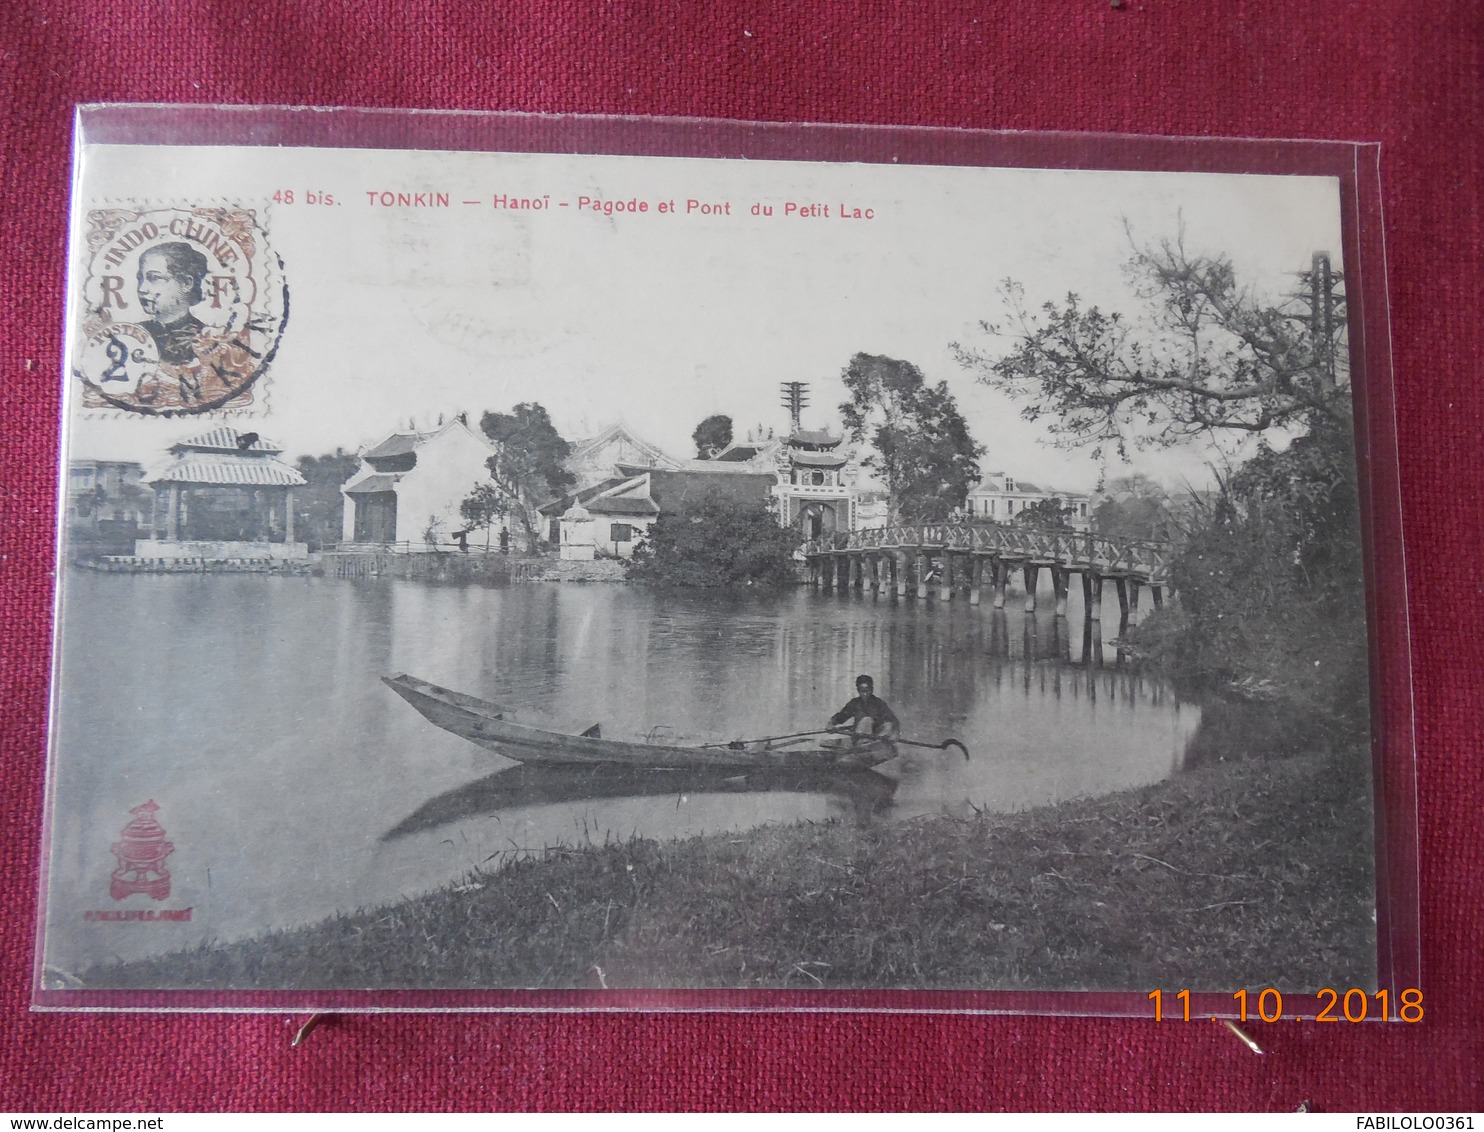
(1104, 554)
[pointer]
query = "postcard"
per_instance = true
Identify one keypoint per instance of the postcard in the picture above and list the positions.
(541, 563)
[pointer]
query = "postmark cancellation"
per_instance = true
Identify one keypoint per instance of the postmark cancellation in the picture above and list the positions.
(181, 312)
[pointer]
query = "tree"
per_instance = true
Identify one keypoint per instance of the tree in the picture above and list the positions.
(1272, 591)
(484, 506)
(712, 436)
(1049, 512)
(1205, 355)
(719, 543)
(924, 454)
(319, 508)
(1134, 506)
(528, 466)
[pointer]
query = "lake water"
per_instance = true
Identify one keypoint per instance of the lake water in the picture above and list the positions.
(293, 784)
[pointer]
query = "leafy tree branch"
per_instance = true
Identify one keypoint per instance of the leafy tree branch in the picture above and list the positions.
(1203, 355)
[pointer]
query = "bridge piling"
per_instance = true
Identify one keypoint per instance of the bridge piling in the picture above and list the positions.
(966, 557)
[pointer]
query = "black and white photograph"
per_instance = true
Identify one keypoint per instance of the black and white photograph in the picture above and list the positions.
(496, 573)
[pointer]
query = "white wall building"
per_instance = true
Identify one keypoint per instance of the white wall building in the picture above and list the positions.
(1000, 497)
(413, 482)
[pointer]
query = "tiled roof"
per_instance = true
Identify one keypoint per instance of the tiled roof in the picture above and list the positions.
(371, 484)
(398, 444)
(680, 492)
(623, 505)
(620, 430)
(559, 506)
(227, 471)
(818, 437)
(818, 459)
(738, 453)
(225, 439)
(1025, 487)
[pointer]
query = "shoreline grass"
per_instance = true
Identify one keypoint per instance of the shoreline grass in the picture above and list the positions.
(1251, 874)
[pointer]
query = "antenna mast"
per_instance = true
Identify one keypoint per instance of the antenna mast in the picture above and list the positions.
(795, 399)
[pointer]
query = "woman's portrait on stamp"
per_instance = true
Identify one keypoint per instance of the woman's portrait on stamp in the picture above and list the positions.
(203, 285)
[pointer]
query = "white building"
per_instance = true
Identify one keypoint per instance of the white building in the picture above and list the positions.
(410, 486)
(609, 520)
(1000, 497)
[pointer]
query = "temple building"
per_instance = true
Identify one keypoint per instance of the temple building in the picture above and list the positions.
(410, 485)
(596, 459)
(223, 495)
(816, 490)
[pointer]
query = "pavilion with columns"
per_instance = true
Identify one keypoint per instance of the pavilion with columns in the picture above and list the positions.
(223, 495)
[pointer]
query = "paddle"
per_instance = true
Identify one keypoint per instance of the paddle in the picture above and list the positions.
(943, 746)
(737, 744)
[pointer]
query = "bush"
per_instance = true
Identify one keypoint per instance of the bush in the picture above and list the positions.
(1271, 608)
(717, 544)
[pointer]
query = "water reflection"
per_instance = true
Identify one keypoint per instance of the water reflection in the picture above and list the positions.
(867, 792)
(294, 784)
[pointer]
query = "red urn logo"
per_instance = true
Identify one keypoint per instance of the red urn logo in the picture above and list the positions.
(141, 851)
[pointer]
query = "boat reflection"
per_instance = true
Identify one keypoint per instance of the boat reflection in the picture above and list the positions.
(866, 791)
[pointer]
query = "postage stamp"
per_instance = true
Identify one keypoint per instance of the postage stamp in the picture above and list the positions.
(183, 309)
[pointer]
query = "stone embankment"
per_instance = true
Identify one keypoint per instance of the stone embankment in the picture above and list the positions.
(129, 564)
(558, 570)
(484, 569)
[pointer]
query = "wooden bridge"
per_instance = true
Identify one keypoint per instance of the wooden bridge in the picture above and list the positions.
(958, 557)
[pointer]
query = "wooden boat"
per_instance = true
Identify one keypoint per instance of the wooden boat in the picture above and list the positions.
(484, 723)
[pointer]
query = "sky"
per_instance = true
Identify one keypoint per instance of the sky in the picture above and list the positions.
(663, 317)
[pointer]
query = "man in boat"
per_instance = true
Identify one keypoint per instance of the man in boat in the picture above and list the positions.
(867, 714)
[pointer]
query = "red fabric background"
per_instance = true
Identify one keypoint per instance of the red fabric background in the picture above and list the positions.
(1402, 72)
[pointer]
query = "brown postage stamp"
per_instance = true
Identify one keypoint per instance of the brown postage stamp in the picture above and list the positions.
(183, 309)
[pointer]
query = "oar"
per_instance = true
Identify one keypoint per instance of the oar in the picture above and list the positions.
(943, 746)
(737, 743)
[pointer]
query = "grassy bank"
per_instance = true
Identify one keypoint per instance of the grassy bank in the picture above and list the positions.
(1240, 874)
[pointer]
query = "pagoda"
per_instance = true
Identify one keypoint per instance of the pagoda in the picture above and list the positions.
(817, 475)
